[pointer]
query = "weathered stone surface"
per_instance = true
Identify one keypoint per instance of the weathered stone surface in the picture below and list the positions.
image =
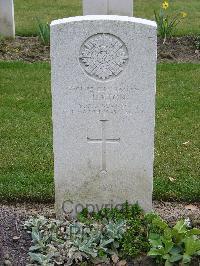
(108, 7)
(95, 7)
(7, 23)
(103, 89)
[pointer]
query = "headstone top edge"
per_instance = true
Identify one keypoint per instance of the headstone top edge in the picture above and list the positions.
(106, 18)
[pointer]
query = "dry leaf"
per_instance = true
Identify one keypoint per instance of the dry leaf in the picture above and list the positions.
(7, 262)
(15, 238)
(115, 258)
(172, 179)
(191, 207)
(187, 142)
(122, 263)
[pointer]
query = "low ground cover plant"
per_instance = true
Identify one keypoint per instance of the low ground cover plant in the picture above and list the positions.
(111, 235)
(73, 242)
(172, 245)
(135, 238)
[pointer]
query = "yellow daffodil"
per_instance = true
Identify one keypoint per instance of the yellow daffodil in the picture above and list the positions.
(183, 14)
(165, 5)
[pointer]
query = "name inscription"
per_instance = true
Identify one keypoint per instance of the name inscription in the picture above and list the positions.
(100, 99)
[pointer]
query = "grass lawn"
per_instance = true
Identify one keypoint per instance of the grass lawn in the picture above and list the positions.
(27, 10)
(26, 139)
(26, 132)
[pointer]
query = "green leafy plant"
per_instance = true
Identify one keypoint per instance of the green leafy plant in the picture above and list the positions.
(135, 238)
(172, 245)
(125, 212)
(72, 242)
(166, 24)
(43, 32)
(111, 235)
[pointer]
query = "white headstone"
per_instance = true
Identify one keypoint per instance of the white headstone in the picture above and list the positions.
(103, 89)
(7, 23)
(108, 7)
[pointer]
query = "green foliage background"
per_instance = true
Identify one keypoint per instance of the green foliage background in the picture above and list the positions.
(26, 12)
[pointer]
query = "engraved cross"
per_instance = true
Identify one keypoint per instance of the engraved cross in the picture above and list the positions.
(103, 141)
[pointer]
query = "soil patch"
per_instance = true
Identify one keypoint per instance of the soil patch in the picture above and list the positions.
(15, 242)
(179, 50)
(30, 49)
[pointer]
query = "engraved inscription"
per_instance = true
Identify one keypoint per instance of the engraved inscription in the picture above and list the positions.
(102, 100)
(103, 141)
(103, 56)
